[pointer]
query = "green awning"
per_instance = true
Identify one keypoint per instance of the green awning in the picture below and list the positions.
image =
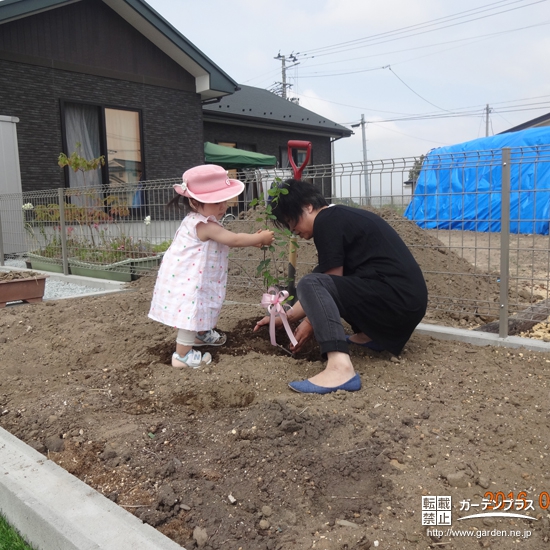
(229, 157)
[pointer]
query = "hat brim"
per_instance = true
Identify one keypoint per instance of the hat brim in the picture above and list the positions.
(234, 189)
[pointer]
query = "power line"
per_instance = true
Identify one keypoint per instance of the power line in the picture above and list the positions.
(433, 45)
(416, 93)
(380, 38)
(471, 110)
(457, 115)
(399, 30)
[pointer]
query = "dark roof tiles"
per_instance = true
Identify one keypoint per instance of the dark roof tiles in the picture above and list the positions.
(265, 106)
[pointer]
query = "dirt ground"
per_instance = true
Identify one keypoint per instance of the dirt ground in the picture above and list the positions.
(228, 457)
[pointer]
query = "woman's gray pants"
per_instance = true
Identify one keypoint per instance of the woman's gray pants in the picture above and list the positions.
(319, 297)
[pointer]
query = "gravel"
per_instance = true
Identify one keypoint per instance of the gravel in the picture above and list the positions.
(56, 289)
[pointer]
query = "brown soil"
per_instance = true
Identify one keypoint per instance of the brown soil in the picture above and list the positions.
(18, 275)
(228, 457)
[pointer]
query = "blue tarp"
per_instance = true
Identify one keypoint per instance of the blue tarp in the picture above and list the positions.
(459, 186)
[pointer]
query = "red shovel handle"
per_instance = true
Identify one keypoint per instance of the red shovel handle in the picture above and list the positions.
(294, 144)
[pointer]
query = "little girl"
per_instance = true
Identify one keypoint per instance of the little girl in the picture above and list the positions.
(191, 282)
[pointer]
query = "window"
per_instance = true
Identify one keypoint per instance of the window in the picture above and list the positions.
(247, 147)
(114, 133)
(299, 155)
(82, 134)
(123, 146)
(227, 144)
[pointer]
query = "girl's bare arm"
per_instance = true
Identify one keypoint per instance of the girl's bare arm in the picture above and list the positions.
(216, 232)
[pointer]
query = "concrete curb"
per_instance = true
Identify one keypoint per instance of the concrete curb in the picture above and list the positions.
(481, 338)
(54, 510)
(102, 286)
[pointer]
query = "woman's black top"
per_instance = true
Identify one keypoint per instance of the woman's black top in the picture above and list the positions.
(383, 292)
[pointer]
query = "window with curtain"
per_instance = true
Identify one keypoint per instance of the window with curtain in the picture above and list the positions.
(82, 131)
(114, 133)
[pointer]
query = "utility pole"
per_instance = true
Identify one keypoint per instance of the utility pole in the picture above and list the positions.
(284, 68)
(487, 111)
(363, 125)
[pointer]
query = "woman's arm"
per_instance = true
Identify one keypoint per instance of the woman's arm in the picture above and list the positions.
(339, 271)
(214, 231)
(295, 313)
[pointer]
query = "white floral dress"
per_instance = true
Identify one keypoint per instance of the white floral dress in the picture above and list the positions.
(192, 278)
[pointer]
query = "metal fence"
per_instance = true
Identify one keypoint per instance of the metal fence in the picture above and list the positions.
(468, 232)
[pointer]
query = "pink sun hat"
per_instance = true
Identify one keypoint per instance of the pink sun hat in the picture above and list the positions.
(208, 183)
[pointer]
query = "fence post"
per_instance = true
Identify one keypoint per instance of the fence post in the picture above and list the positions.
(1, 241)
(62, 230)
(504, 243)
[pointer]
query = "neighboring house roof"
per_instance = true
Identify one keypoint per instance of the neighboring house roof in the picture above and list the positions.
(260, 108)
(543, 120)
(211, 81)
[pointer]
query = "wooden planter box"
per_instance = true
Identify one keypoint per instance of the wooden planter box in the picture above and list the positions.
(29, 290)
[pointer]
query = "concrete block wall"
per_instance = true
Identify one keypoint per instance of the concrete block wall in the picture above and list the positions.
(171, 118)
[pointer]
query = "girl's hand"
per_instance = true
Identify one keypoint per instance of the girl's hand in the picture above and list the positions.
(267, 237)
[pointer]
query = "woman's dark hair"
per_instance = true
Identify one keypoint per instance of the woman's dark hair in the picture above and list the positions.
(288, 208)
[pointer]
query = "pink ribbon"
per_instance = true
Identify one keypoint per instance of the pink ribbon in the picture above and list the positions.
(273, 301)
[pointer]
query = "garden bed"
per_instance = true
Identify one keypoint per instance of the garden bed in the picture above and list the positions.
(88, 383)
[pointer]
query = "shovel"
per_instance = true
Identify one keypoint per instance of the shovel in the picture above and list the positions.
(294, 144)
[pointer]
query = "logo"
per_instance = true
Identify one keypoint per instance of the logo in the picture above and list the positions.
(436, 510)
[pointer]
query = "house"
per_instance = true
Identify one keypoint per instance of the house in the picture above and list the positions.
(257, 120)
(110, 75)
(113, 78)
(543, 120)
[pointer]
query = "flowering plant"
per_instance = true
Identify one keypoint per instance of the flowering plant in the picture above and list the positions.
(112, 244)
(48, 241)
(94, 236)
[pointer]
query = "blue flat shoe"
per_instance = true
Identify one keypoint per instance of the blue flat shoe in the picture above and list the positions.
(370, 345)
(305, 386)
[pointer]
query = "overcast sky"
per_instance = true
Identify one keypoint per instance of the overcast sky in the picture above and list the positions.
(437, 62)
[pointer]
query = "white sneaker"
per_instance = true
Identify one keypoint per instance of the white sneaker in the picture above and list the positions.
(210, 338)
(193, 359)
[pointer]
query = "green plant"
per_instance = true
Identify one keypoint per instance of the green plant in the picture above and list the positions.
(110, 244)
(48, 241)
(77, 162)
(161, 247)
(414, 172)
(45, 219)
(10, 539)
(269, 267)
